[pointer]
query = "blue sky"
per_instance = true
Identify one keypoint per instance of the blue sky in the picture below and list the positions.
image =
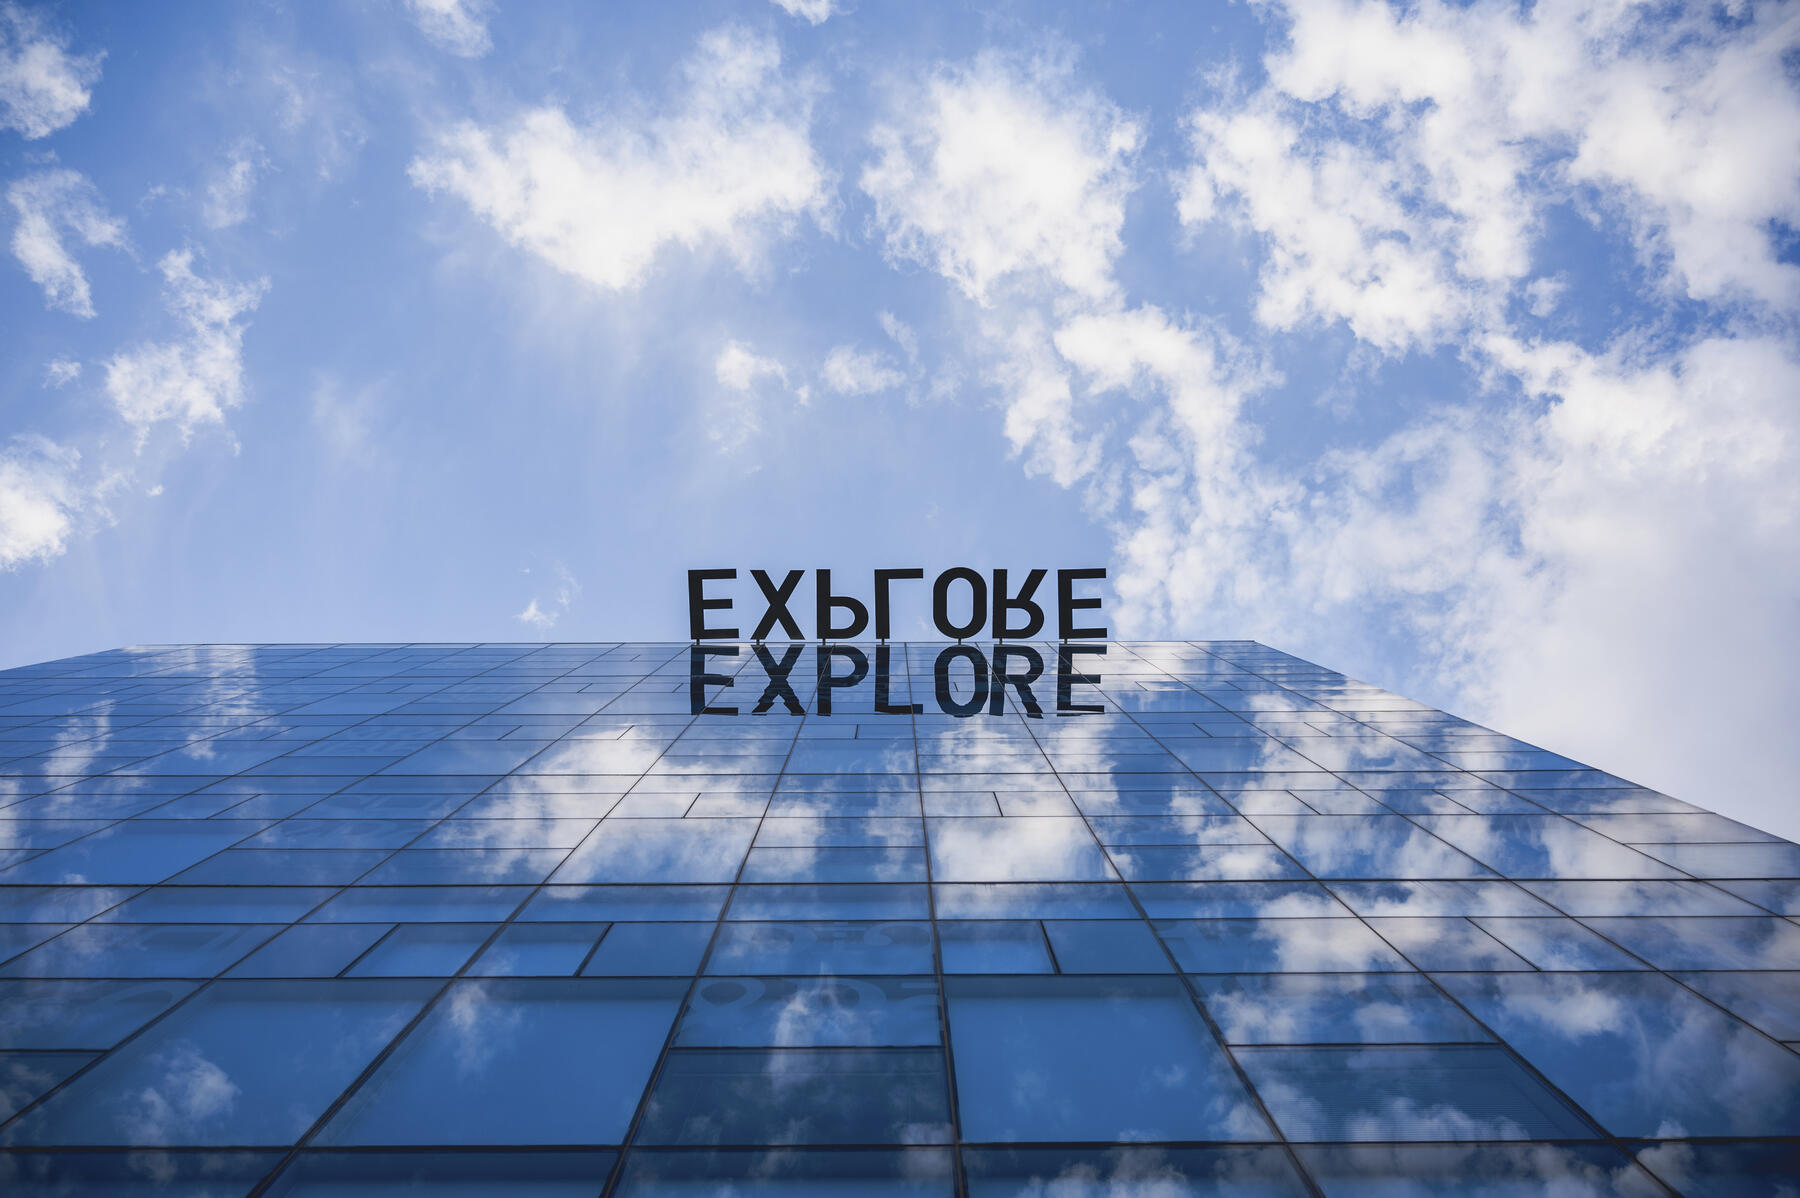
(1452, 346)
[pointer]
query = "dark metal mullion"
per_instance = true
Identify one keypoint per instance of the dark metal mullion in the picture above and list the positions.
(959, 1182)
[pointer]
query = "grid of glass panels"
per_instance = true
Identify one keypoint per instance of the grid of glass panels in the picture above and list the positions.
(515, 920)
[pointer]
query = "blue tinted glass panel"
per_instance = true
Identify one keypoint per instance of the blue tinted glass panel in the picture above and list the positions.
(144, 1174)
(217, 904)
(1230, 900)
(1640, 1053)
(1381, 846)
(810, 1013)
(188, 950)
(77, 1015)
(58, 904)
(321, 950)
(416, 867)
(1558, 944)
(1476, 1171)
(1458, 1092)
(1238, 1172)
(1106, 946)
(238, 1065)
(1204, 863)
(891, 947)
(800, 1096)
(422, 950)
(1049, 849)
(137, 851)
(1542, 846)
(539, 950)
(649, 950)
(660, 850)
(1276, 946)
(1033, 901)
(1585, 898)
(555, 1061)
(27, 1076)
(834, 863)
(1725, 1170)
(1447, 944)
(992, 946)
(629, 904)
(453, 1175)
(1769, 1001)
(1440, 898)
(1079, 1042)
(422, 904)
(829, 902)
(1334, 1008)
(1707, 943)
(283, 867)
(903, 1173)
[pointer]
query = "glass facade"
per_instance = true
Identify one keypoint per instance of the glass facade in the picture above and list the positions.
(1132, 919)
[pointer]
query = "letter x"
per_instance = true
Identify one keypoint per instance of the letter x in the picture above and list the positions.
(778, 601)
(778, 680)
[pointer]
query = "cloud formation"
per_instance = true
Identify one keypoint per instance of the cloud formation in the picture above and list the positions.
(1548, 545)
(543, 611)
(1004, 168)
(52, 208)
(43, 87)
(852, 371)
(194, 379)
(39, 498)
(813, 12)
(228, 190)
(458, 27)
(726, 166)
(734, 415)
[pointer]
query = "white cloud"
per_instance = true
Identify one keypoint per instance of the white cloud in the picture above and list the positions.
(227, 200)
(1453, 129)
(851, 371)
(901, 334)
(191, 381)
(727, 166)
(188, 1095)
(1041, 422)
(52, 207)
(1345, 238)
(456, 26)
(733, 417)
(1004, 171)
(40, 497)
(740, 368)
(1009, 179)
(43, 87)
(60, 372)
(543, 611)
(814, 12)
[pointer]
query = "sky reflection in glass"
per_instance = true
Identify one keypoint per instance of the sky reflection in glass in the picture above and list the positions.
(307, 917)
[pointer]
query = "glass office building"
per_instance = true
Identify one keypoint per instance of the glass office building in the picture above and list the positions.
(646, 920)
